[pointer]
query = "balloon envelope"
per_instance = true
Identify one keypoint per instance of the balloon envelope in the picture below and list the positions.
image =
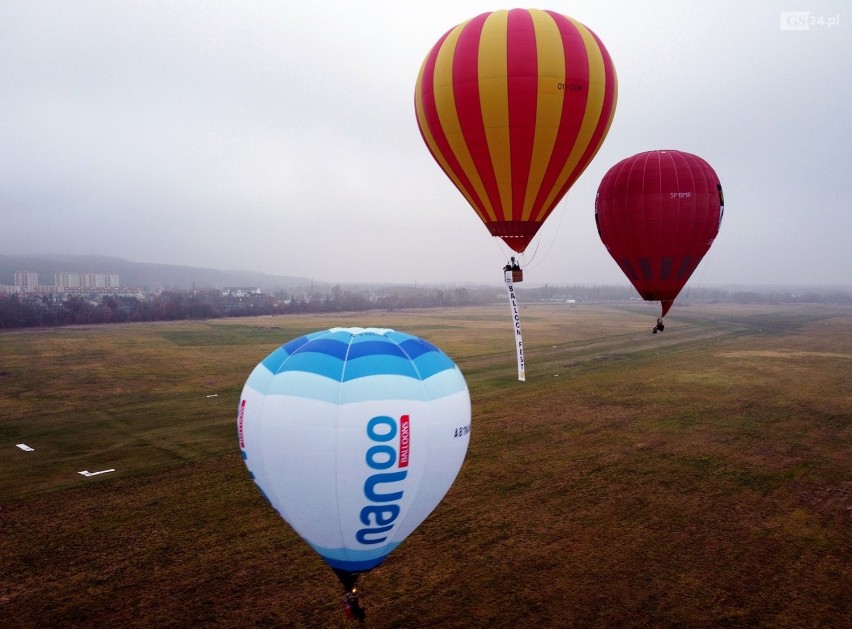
(354, 435)
(513, 105)
(658, 212)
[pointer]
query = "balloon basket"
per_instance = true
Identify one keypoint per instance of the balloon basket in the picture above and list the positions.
(352, 608)
(514, 276)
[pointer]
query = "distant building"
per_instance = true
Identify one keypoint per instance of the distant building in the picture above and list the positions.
(67, 280)
(26, 281)
(240, 292)
(100, 280)
(97, 281)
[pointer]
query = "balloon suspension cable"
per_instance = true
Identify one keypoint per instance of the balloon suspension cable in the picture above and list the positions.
(499, 245)
(532, 257)
(352, 607)
(665, 304)
(552, 240)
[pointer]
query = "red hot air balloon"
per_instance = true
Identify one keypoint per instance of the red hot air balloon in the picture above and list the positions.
(658, 213)
(513, 105)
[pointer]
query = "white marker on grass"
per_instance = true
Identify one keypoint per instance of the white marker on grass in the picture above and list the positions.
(85, 473)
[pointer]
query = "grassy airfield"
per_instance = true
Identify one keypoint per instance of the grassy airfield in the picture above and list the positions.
(699, 477)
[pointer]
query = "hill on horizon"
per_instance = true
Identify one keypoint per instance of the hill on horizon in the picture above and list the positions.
(149, 276)
(144, 275)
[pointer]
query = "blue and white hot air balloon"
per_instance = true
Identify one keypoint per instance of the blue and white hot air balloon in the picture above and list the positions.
(354, 435)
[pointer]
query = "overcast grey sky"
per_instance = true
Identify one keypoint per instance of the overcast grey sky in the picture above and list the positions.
(281, 137)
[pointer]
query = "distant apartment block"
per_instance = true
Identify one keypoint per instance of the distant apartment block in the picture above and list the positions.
(240, 292)
(72, 280)
(67, 280)
(100, 280)
(27, 282)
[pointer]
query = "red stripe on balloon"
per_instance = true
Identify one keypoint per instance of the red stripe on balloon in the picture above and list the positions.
(577, 68)
(469, 109)
(604, 117)
(433, 121)
(522, 70)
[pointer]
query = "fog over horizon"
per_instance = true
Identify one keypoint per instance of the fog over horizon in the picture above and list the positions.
(281, 138)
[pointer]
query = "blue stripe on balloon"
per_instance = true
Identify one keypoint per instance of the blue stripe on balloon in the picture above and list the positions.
(379, 365)
(260, 377)
(381, 387)
(399, 337)
(425, 366)
(304, 384)
(433, 363)
(324, 343)
(301, 384)
(328, 346)
(344, 335)
(371, 347)
(355, 566)
(311, 362)
(277, 358)
(354, 560)
(415, 347)
(344, 355)
(295, 344)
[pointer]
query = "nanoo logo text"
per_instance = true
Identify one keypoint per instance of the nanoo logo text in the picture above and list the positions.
(389, 457)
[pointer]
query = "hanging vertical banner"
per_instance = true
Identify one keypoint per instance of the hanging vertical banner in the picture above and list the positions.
(516, 324)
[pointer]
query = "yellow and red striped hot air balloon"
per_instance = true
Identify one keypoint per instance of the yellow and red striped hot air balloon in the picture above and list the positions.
(513, 106)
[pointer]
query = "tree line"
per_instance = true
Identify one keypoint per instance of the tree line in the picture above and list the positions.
(18, 311)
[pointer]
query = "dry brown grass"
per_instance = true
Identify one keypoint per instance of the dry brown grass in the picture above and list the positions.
(700, 477)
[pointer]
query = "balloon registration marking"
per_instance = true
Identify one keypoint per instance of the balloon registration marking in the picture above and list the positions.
(354, 435)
